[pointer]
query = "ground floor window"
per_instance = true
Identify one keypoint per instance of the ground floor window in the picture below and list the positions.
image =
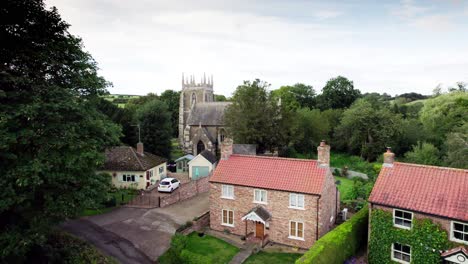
(128, 178)
(401, 253)
(296, 230)
(228, 217)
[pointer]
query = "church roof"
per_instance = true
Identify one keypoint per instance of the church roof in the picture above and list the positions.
(207, 114)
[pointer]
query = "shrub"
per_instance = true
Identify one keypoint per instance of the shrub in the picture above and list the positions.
(111, 202)
(188, 257)
(178, 244)
(341, 243)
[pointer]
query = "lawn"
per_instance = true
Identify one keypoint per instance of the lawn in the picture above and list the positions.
(121, 196)
(345, 187)
(219, 251)
(272, 257)
(176, 152)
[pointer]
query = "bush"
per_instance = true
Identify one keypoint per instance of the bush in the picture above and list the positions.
(341, 243)
(188, 257)
(112, 202)
(178, 244)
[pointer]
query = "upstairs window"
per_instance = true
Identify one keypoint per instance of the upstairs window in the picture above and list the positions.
(459, 232)
(402, 219)
(296, 201)
(260, 196)
(227, 192)
(401, 253)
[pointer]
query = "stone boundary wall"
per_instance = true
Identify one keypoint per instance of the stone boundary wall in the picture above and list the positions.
(198, 225)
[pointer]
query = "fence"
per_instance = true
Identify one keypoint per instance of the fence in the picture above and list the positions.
(152, 199)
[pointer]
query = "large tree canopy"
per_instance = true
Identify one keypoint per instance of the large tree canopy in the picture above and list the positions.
(339, 92)
(296, 96)
(51, 135)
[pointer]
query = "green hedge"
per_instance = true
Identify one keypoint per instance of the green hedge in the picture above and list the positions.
(341, 243)
(425, 238)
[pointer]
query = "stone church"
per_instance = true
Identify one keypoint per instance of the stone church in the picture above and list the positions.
(201, 123)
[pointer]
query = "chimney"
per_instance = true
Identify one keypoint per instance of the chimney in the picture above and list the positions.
(388, 158)
(140, 148)
(226, 148)
(323, 154)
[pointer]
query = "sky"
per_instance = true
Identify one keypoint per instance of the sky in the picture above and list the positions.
(396, 47)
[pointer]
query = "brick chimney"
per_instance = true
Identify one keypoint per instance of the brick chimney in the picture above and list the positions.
(140, 149)
(323, 154)
(226, 148)
(388, 158)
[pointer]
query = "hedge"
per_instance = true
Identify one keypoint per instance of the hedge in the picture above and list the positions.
(341, 243)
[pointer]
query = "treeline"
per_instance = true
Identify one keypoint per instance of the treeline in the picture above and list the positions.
(294, 119)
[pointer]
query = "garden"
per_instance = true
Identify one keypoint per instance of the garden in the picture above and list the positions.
(263, 257)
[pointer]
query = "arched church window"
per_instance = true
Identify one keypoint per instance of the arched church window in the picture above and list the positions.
(200, 147)
(222, 135)
(194, 98)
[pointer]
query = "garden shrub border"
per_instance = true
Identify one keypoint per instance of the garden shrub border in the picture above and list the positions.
(341, 243)
(426, 239)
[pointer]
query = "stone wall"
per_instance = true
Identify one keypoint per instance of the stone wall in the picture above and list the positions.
(277, 205)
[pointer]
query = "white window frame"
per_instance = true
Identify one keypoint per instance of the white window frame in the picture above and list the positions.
(401, 252)
(161, 170)
(125, 179)
(260, 191)
(452, 230)
(294, 236)
(402, 218)
(222, 217)
(226, 195)
(296, 199)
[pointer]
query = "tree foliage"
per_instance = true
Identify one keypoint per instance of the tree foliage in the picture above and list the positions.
(296, 96)
(51, 135)
(339, 92)
(156, 127)
(310, 127)
(456, 147)
(171, 98)
(423, 153)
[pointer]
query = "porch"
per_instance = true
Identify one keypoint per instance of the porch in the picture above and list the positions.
(257, 219)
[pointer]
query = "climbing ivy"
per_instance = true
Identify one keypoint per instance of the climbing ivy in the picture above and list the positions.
(425, 238)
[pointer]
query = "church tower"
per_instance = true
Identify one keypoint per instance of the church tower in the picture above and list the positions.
(192, 93)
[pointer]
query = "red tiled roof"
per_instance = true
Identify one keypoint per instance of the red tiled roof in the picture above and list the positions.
(455, 250)
(285, 174)
(433, 190)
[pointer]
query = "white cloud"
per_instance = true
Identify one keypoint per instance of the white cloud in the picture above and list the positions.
(326, 14)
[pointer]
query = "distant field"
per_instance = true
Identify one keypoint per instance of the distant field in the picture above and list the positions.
(120, 99)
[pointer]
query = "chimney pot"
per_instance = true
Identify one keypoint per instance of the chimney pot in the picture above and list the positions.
(323, 154)
(389, 158)
(140, 149)
(226, 148)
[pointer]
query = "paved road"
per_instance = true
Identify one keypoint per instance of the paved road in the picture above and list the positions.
(108, 242)
(137, 231)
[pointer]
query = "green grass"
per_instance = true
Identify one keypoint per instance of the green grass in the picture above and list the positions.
(354, 163)
(176, 152)
(270, 258)
(219, 251)
(127, 194)
(345, 187)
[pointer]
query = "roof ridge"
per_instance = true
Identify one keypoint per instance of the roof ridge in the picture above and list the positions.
(430, 166)
(138, 158)
(267, 157)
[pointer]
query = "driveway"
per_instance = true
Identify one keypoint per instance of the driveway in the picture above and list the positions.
(149, 231)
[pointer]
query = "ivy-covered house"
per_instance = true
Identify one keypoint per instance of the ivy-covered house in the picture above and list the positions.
(418, 214)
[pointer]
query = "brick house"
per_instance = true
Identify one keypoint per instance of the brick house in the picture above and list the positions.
(288, 201)
(413, 191)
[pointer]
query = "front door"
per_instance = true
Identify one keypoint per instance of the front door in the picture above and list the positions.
(259, 230)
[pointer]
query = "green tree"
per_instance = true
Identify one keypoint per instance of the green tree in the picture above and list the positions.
(156, 127)
(296, 96)
(423, 153)
(52, 137)
(220, 98)
(122, 117)
(171, 98)
(366, 129)
(444, 114)
(339, 92)
(309, 129)
(456, 147)
(250, 116)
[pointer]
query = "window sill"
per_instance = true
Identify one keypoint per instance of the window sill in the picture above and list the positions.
(296, 208)
(228, 225)
(258, 202)
(296, 238)
(458, 241)
(228, 198)
(402, 227)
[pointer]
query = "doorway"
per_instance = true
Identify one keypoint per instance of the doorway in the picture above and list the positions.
(259, 230)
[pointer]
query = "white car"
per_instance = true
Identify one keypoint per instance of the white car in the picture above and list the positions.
(168, 185)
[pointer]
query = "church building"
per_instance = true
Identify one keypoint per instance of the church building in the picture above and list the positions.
(201, 119)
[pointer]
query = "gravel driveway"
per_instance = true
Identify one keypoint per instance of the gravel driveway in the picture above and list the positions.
(149, 231)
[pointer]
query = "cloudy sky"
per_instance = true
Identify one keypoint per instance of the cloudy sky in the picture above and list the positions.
(395, 47)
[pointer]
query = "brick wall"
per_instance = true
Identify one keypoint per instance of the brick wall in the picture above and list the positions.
(329, 205)
(278, 206)
(186, 191)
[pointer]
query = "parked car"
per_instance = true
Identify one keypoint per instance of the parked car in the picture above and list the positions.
(168, 185)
